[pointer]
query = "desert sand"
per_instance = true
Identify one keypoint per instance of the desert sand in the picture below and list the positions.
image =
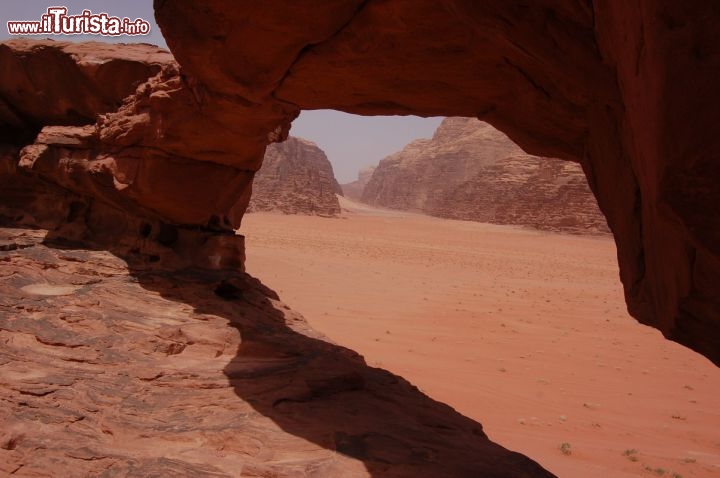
(523, 331)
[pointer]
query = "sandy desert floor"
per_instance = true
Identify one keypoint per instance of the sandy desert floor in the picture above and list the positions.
(523, 331)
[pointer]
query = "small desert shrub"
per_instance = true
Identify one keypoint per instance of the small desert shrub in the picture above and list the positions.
(565, 449)
(630, 454)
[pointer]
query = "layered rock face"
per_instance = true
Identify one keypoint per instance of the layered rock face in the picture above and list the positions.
(295, 178)
(58, 83)
(625, 88)
(354, 190)
(471, 171)
(95, 149)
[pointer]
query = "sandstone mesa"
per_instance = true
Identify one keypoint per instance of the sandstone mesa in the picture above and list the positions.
(295, 178)
(471, 171)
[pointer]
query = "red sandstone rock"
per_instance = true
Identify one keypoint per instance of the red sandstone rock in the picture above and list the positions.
(63, 83)
(108, 181)
(295, 178)
(471, 171)
(627, 89)
(110, 368)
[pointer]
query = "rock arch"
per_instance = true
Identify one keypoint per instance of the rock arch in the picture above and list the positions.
(625, 88)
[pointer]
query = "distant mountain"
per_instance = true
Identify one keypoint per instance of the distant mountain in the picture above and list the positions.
(296, 178)
(471, 171)
(355, 189)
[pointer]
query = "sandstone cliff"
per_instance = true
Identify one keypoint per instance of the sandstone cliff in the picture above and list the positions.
(109, 145)
(295, 178)
(61, 83)
(471, 171)
(355, 189)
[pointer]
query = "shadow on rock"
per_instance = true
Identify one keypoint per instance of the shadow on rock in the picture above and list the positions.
(328, 395)
(306, 407)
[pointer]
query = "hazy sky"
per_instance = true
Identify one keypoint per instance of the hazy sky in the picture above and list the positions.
(351, 142)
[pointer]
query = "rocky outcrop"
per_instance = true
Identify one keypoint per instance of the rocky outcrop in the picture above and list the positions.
(113, 368)
(471, 171)
(625, 88)
(354, 190)
(61, 83)
(105, 163)
(295, 178)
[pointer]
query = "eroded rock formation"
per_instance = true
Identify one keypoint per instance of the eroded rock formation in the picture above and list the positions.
(93, 151)
(469, 170)
(355, 189)
(628, 89)
(61, 83)
(295, 178)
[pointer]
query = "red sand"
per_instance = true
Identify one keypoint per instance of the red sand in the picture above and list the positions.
(525, 332)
